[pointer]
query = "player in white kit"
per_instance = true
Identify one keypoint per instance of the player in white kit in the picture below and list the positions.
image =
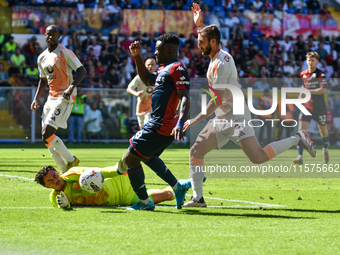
(222, 70)
(143, 94)
(55, 65)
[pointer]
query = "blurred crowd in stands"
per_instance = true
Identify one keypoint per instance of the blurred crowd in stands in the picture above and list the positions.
(110, 65)
(261, 60)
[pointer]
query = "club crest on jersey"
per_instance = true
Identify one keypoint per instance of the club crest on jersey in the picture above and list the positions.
(149, 89)
(314, 75)
(226, 58)
(180, 68)
(49, 69)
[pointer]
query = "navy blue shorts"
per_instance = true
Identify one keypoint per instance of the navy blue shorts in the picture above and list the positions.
(147, 143)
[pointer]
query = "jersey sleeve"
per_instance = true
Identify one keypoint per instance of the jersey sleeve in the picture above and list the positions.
(53, 198)
(179, 75)
(41, 70)
(110, 171)
(134, 83)
(71, 59)
(152, 79)
(227, 72)
(322, 80)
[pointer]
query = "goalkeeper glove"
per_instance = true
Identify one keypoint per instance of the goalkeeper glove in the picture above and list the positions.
(63, 201)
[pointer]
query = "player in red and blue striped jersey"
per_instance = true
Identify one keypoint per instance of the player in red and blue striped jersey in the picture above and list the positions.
(166, 124)
(315, 81)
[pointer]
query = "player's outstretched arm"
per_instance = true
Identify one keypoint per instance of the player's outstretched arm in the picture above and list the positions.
(211, 107)
(41, 88)
(198, 16)
(143, 72)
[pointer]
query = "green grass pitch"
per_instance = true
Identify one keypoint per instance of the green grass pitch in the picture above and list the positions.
(246, 216)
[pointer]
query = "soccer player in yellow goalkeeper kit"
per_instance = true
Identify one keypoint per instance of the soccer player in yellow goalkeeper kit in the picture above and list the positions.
(117, 189)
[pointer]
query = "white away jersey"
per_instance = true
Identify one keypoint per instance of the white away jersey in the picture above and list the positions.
(57, 67)
(143, 102)
(222, 70)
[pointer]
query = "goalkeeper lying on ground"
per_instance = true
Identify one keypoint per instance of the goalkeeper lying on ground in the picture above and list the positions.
(116, 191)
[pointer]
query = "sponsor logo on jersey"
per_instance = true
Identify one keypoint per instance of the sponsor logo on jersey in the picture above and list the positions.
(182, 82)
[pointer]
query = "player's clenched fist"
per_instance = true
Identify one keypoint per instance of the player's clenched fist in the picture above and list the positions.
(135, 48)
(34, 105)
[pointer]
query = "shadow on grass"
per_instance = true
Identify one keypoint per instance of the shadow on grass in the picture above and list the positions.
(198, 212)
(286, 209)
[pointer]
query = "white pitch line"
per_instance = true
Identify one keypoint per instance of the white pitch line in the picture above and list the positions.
(214, 198)
(242, 201)
(19, 177)
(25, 207)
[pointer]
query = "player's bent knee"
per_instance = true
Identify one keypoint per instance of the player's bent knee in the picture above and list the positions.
(132, 161)
(258, 159)
(197, 150)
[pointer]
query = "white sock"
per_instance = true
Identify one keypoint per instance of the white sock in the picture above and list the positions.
(58, 159)
(284, 144)
(196, 178)
(146, 201)
(175, 187)
(60, 147)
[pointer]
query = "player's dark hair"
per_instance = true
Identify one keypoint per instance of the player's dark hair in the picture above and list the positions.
(53, 27)
(212, 32)
(39, 178)
(169, 39)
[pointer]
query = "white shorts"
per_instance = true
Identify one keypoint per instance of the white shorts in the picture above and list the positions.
(56, 112)
(143, 119)
(232, 128)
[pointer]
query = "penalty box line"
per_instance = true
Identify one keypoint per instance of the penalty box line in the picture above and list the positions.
(15, 176)
(213, 198)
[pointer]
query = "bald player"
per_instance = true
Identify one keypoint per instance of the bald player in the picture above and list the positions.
(55, 65)
(143, 93)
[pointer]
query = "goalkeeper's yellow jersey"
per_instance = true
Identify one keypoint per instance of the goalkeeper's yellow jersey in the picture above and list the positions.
(116, 191)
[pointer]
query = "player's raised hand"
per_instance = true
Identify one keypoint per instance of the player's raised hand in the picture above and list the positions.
(62, 200)
(35, 105)
(198, 16)
(135, 48)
